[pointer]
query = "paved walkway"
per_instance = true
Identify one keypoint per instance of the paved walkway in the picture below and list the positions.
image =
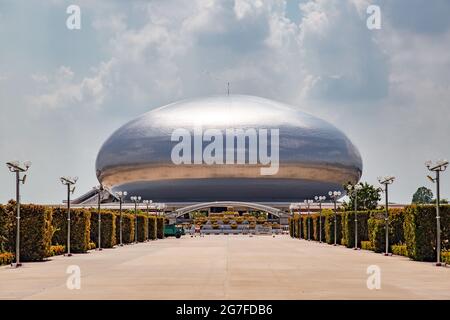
(226, 267)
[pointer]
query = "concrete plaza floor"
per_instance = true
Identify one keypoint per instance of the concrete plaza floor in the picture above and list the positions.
(226, 267)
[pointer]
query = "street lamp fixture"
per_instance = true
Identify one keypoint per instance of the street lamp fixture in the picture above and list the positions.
(136, 200)
(354, 190)
(17, 168)
(308, 203)
(437, 167)
(386, 181)
(335, 195)
(120, 195)
(69, 182)
(320, 199)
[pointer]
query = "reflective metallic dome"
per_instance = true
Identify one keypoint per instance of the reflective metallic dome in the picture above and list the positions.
(314, 156)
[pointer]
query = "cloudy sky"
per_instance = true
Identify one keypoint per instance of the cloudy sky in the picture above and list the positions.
(63, 92)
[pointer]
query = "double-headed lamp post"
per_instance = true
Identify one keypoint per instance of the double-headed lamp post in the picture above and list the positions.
(147, 203)
(386, 181)
(17, 168)
(136, 200)
(320, 199)
(335, 195)
(121, 196)
(437, 167)
(307, 204)
(354, 190)
(69, 182)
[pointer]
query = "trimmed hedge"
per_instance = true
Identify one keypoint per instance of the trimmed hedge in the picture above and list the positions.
(108, 228)
(400, 249)
(160, 227)
(329, 226)
(80, 227)
(420, 231)
(366, 245)
(348, 228)
(6, 258)
(377, 233)
(35, 230)
(307, 220)
(152, 229)
(142, 232)
(316, 226)
(128, 223)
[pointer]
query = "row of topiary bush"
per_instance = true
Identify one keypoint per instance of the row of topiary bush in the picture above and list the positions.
(412, 230)
(43, 230)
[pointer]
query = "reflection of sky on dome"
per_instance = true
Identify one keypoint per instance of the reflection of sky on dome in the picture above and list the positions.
(226, 111)
(303, 137)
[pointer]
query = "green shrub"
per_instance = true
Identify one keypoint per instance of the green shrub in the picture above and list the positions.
(329, 227)
(91, 245)
(399, 249)
(5, 226)
(108, 228)
(57, 250)
(35, 231)
(316, 225)
(377, 235)
(291, 227)
(152, 229)
(307, 220)
(128, 225)
(80, 228)
(142, 231)
(6, 258)
(160, 227)
(348, 228)
(445, 255)
(376, 229)
(420, 231)
(367, 245)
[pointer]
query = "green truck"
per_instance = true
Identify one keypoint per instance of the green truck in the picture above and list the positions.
(172, 230)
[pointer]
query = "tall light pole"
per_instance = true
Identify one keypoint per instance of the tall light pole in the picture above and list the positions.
(136, 200)
(121, 196)
(307, 204)
(17, 168)
(147, 203)
(437, 167)
(354, 190)
(320, 199)
(334, 195)
(99, 201)
(69, 182)
(386, 181)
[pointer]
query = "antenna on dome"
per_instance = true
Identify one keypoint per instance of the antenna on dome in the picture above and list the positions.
(209, 74)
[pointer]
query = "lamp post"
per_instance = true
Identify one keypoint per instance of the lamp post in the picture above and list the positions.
(386, 181)
(354, 190)
(69, 182)
(147, 203)
(136, 200)
(99, 201)
(437, 167)
(17, 168)
(120, 195)
(334, 195)
(307, 203)
(320, 199)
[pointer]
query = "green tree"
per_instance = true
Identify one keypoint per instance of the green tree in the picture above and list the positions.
(423, 195)
(367, 198)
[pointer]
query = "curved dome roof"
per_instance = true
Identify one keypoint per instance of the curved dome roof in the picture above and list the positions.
(313, 154)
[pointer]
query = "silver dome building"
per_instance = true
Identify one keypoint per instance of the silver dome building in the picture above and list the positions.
(313, 155)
